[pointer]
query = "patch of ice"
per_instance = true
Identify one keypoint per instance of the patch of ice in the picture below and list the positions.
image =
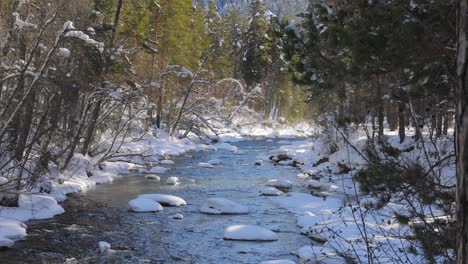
(144, 205)
(223, 206)
(249, 233)
(165, 199)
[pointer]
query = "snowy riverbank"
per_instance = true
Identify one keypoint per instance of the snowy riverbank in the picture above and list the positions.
(343, 222)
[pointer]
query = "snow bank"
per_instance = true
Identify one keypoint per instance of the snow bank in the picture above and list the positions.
(223, 206)
(165, 199)
(11, 230)
(249, 233)
(143, 205)
(33, 207)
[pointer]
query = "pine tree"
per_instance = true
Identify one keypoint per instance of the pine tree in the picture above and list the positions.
(257, 46)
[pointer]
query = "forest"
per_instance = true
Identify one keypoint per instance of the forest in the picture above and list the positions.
(350, 113)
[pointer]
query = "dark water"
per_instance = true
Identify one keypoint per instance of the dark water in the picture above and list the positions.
(101, 214)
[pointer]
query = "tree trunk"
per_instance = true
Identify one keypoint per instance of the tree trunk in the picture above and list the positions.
(380, 107)
(462, 135)
(439, 116)
(92, 126)
(392, 115)
(401, 120)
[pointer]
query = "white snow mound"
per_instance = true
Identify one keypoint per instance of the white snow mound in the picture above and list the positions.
(165, 199)
(249, 233)
(144, 205)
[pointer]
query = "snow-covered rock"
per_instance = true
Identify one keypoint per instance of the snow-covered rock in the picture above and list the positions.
(249, 233)
(172, 180)
(144, 205)
(259, 162)
(278, 261)
(104, 246)
(153, 177)
(223, 206)
(10, 231)
(205, 165)
(279, 183)
(215, 162)
(271, 192)
(33, 207)
(167, 162)
(177, 216)
(165, 199)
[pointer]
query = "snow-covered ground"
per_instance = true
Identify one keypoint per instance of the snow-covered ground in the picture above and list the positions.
(340, 217)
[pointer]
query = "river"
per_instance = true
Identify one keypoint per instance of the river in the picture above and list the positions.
(101, 214)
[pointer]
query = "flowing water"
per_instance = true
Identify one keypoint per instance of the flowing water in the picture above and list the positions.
(101, 214)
